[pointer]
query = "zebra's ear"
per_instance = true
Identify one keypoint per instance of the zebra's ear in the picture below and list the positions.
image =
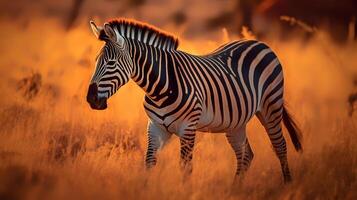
(113, 34)
(110, 32)
(95, 29)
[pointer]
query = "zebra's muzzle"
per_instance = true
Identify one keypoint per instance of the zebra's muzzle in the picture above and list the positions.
(95, 102)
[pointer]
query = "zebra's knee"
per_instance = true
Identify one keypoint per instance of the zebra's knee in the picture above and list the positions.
(150, 164)
(150, 160)
(280, 149)
(186, 155)
(187, 143)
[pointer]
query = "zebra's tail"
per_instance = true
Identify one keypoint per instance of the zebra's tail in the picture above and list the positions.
(293, 129)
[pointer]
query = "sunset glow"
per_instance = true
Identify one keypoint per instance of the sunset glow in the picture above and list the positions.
(53, 146)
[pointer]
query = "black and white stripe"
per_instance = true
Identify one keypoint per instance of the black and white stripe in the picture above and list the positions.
(185, 93)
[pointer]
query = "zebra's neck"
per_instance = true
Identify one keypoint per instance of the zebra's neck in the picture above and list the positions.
(153, 69)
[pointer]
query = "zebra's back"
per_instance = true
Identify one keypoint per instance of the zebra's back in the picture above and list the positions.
(242, 76)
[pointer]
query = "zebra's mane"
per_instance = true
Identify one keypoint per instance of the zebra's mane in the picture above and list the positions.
(143, 32)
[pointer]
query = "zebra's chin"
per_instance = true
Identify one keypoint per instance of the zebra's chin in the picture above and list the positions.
(100, 104)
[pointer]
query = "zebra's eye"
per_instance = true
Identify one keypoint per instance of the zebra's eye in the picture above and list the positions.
(111, 62)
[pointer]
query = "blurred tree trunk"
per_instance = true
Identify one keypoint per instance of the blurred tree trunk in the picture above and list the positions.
(74, 13)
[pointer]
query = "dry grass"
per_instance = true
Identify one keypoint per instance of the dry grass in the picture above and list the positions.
(53, 146)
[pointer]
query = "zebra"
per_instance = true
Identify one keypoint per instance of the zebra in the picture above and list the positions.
(184, 93)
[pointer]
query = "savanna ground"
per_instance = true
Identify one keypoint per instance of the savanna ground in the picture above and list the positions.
(53, 146)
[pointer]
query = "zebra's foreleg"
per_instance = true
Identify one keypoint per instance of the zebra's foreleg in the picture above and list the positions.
(187, 142)
(240, 145)
(157, 138)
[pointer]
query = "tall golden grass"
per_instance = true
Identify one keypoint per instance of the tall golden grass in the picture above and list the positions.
(53, 146)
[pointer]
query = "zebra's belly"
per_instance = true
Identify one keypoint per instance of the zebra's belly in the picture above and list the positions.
(221, 122)
(220, 128)
(209, 122)
(215, 129)
(212, 119)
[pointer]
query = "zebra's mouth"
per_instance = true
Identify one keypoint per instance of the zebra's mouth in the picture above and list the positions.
(99, 104)
(95, 102)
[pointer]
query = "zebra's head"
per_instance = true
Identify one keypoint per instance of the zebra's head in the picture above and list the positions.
(113, 66)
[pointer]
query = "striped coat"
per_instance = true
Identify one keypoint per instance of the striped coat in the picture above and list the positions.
(185, 93)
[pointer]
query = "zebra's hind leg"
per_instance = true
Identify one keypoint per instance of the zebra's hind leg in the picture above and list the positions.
(157, 138)
(273, 126)
(244, 154)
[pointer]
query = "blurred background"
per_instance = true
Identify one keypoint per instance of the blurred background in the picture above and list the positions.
(200, 16)
(53, 146)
